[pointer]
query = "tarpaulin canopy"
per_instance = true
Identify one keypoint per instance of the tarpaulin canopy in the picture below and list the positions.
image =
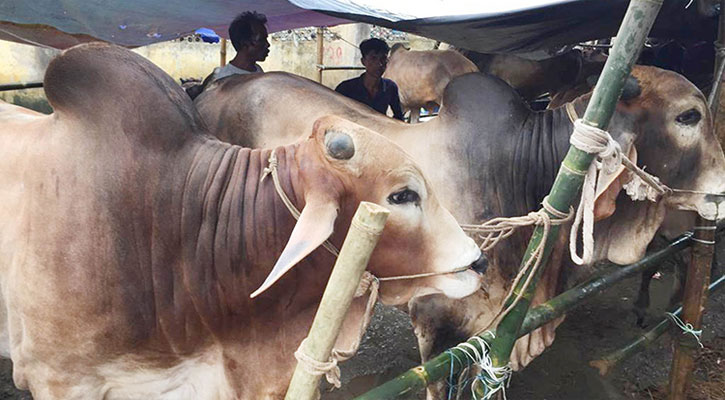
(485, 26)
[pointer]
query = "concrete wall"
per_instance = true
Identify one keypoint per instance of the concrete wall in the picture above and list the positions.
(23, 63)
(294, 52)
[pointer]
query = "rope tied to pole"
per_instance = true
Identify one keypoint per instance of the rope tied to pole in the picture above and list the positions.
(593, 140)
(686, 327)
(330, 368)
(497, 229)
(493, 379)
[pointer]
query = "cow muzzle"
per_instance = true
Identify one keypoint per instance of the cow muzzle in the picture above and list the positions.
(480, 265)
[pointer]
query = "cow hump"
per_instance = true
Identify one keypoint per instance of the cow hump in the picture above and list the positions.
(108, 85)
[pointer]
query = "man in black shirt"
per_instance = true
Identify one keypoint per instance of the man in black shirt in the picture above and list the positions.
(370, 87)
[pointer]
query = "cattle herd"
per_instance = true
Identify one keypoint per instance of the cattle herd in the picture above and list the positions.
(135, 224)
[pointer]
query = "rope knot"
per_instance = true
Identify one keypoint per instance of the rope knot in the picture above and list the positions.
(686, 328)
(592, 140)
(271, 167)
(539, 218)
(317, 368)
(366, 281)
(597, 141)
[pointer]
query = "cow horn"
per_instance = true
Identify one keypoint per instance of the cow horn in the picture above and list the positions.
(339, 145)
(630, 90)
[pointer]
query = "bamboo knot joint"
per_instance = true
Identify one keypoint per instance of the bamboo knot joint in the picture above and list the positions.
(421, 372)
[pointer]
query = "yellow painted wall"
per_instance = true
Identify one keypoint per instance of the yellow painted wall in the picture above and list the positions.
(196, 59)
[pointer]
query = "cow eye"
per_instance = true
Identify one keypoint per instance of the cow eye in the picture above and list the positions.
(404, 196)
(689, 117)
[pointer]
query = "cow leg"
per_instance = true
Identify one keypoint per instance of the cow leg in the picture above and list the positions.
(415, 115)
(642, 303)
(439, 323)
(680, 263)
(678, 282)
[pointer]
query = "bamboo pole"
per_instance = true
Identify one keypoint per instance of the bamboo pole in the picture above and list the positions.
(320, 52)
(223, 53)
(608, 362)
(367, 224)
(564, 302)
(718, 118)
(440, 366)
(631, 36)
(693, 306)
(636, 25)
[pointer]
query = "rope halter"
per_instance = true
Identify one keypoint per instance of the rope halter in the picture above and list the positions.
(368, 282)
(593, 140)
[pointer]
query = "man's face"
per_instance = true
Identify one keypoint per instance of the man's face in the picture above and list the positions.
(259, 47)
(375, 63)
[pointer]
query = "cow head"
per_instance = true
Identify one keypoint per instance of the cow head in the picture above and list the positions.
(664, 125)
(342, 164)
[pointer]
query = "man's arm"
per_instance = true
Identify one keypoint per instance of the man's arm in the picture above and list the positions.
(395, 104)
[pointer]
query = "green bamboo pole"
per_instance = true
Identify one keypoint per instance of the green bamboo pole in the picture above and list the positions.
(608, 362)
(575, 296)
(693, 307)
(367, 224)
(634, 29)
(439, 367)
(636, 25)
(631, 36)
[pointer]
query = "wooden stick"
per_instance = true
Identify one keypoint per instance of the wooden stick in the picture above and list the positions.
(320, 52)
(693, 305)
(223, 53)
(367, 224)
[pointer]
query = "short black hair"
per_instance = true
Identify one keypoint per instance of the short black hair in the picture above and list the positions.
(240, 30)
(373, 45)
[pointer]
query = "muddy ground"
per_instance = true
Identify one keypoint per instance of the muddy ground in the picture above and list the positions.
(562, 372)
(596, 328)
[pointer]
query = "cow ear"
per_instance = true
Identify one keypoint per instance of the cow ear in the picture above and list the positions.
(625, 236)
(314, 226)
(609, 185)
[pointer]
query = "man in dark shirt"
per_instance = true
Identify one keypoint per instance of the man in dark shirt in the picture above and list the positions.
(370, 87)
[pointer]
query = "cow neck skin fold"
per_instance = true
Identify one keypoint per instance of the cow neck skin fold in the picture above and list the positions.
(237, 237)
(538, 149)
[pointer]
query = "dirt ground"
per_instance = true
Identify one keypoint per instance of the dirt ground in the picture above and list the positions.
(595, 329)
(562, 372)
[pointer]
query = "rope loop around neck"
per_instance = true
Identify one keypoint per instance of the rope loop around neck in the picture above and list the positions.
(597, 141)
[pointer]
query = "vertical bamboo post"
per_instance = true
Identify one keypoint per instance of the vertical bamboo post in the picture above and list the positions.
(631, 36)
(367, 224)
(634, 29)
(693, 305)
(718, 118)
(320, 52)
(223, 53)
(606, 363)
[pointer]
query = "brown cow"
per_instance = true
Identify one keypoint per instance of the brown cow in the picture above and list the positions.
(131, 240)
(489, 155)
(533, 78)
(422, 76)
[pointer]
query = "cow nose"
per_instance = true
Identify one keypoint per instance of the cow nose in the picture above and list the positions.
(480, 265)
